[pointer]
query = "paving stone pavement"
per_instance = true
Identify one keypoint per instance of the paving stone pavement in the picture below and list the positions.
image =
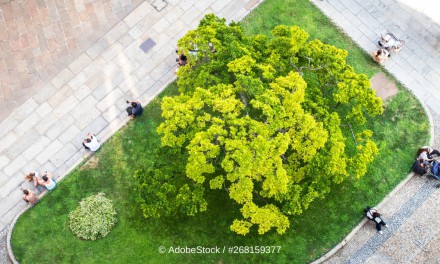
(81, 80)
(39, 38)
(413, 213)
(86, 91)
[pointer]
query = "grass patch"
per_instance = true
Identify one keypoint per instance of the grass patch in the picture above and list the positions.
(42, 233)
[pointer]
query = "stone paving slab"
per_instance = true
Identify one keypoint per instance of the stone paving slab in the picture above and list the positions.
(39, 38)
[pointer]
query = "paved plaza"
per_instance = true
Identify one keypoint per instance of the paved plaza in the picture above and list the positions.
(40, 37)
(67, 67)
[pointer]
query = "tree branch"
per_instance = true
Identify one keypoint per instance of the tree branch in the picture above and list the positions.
(224, 187)
(259, 196)
(283, 157)
(310, 68)
(297, 69)
(243, 99)
(335, 106)
(352, 133)
(284, 130)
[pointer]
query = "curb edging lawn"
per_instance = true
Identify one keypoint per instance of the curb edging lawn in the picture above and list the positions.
(86, 156)
(341, 244)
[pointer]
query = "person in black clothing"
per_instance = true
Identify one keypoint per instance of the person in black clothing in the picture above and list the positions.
(374, 215)
(181, 59)
(135, 109)
(419, 167)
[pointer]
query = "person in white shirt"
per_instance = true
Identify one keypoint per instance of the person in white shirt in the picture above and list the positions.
(374, 215)
(426, 153)
(91, 142)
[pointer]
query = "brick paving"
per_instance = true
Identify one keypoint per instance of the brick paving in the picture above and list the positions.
(39, 38)
(384, 88)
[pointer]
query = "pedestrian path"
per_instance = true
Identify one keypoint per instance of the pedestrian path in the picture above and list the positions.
(40, 37)
(88, 94)
(413, 213)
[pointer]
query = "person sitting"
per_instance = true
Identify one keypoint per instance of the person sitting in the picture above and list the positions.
(381, 55)
(211, 47)
(426, 153)
(181, 60)
(374, 215)
(30, 197)
(32, 176)
(419, 167)
(194, 51)
(134, 110)
(91, 142)
(47, 181)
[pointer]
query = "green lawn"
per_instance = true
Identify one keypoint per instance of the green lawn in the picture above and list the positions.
(42, 234)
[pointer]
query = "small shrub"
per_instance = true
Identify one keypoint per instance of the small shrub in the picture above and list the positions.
(93, 218)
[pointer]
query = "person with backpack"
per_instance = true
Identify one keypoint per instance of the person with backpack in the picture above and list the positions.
(374, 215)
(435, 171)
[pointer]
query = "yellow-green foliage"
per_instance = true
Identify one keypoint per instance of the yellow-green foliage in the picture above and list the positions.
(265, 217)
(253, 126)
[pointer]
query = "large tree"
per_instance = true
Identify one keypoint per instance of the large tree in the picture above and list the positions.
(261, 120)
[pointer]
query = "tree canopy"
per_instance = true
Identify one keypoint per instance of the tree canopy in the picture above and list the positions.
(260, 119)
